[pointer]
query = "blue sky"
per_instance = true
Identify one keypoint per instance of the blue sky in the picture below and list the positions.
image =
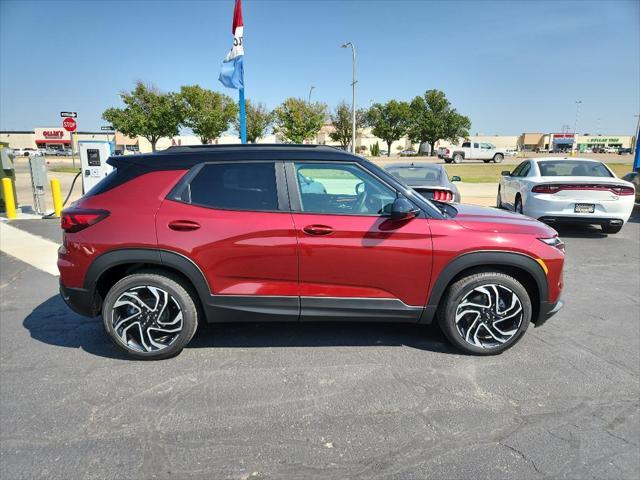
(510, 66)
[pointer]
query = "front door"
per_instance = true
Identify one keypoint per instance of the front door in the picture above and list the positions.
(355, 263)
(232, 220)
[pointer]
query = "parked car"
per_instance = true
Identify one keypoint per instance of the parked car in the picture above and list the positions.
(561, 190)
(624, 151)
(25, 152)
(408, 153)
(512, 152)
(474, 151)
(611, 150)
(428, 179)
(228, 234)
(634, 177)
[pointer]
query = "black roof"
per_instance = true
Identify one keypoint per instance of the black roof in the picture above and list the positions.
(180, 157)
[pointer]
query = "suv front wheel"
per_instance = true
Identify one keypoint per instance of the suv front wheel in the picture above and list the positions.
(150, 315)
(485, 313)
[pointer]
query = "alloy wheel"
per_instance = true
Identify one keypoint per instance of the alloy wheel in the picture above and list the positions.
(146, 319)
(489, 316)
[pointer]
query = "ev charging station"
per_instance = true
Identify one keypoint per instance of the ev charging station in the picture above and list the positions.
(93, 161)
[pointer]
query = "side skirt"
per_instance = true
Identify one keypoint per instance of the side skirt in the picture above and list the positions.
(256, 308)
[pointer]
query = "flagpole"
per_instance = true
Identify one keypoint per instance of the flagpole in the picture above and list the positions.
(243, 122)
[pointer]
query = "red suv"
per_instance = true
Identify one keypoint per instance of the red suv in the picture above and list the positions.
(296, 232)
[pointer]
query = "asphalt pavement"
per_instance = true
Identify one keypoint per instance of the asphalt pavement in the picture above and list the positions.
(292, 400)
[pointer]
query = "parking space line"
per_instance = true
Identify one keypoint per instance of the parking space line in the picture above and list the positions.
(32, 249)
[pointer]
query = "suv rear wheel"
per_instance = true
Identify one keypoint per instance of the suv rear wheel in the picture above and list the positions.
(485, 313)
(497, 158)
(150, 315)
(457, 158)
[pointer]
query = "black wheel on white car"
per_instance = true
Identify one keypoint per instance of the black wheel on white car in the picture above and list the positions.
(150, 316)
(518, 205)
(611, 229)
(497, 158)
(457, 158)
(499, 199)
(485, 313)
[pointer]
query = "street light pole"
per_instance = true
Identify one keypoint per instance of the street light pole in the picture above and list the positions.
(310, 90)
(575, 127)
(353, 95)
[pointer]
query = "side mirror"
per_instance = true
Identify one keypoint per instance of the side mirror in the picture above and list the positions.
(403, 209)
(505, 173)
(456, 178)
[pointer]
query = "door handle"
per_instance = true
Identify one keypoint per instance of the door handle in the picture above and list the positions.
(318, 230)
(183, 225)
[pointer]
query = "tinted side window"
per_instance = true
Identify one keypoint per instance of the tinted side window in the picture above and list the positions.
(234, 186)
(524, 171)
(518, 169)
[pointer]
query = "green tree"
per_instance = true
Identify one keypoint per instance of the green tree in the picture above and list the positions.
(298, 120)
(342, 122)
(433, 118)
(258, 119)
(148, 113)
(206, 112)
(389, 121)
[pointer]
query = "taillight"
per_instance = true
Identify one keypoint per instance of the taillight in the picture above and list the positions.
(622, 190)
(617, 189)
(546, 189)
(442, 195)
(76, 219)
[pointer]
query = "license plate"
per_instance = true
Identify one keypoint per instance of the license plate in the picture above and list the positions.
(584, 208)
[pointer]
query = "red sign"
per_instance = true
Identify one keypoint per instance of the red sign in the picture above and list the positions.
(53, 134)
(69, 124)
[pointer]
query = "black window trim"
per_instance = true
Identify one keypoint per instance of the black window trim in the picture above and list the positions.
(294, 188)
(281, 186)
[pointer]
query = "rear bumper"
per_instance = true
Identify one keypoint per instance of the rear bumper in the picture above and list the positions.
(548, 310)
(552, 219)
(79, 300)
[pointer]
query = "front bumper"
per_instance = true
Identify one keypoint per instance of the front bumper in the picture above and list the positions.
(548, 310)
(80, 301)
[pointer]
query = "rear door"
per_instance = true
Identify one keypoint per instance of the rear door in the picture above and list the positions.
(355, 263)
(232, 220)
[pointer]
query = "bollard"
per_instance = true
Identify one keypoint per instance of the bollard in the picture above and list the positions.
(57, 196)
(9, 201)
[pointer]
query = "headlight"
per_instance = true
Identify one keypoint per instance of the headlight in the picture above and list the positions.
(554, 242)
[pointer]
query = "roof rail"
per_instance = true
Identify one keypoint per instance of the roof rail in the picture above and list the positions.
(190, 148)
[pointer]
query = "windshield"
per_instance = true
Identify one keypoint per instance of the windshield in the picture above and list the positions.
(573, 168)
(428, 173)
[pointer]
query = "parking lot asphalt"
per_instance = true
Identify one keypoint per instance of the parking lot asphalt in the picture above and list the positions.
(336, 401)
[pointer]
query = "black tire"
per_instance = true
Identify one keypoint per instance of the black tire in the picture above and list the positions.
(486, 161)
(446, 160)
(498, 157)
(464, 286)
(499, 199)
(457, 158)
(611, 229)
(518, 207)
(175, 287)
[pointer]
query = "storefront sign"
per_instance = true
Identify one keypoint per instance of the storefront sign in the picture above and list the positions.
(603, 140)
(53, 134)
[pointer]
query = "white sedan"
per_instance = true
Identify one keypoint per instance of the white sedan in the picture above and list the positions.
(568, 190)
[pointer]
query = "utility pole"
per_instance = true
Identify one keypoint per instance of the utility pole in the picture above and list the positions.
(575, 128)
(310, 90)
(353, 95)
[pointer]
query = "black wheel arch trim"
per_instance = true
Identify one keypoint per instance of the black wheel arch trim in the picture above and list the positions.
(152, 256)
(479, 259)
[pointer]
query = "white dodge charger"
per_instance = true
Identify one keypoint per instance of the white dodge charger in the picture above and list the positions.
(567, 190)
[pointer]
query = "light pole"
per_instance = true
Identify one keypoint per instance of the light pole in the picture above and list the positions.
(353, 96)
(575, 127)
(310, 90)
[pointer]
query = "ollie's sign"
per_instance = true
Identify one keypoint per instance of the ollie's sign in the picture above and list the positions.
(69, 124)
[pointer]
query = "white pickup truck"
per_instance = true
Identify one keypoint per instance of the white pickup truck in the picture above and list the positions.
(473, 151)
